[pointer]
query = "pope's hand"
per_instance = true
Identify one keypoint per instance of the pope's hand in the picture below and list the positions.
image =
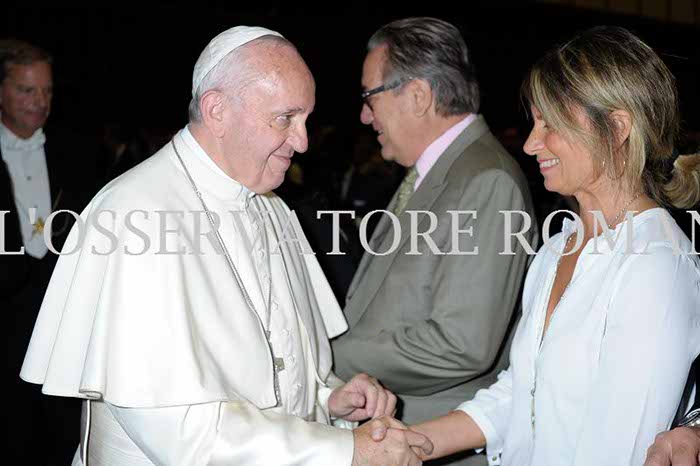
(678, 447)
(363, 397)
(397, 447)
(380, 428)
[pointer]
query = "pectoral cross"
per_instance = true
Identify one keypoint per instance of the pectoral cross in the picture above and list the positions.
(278, 363)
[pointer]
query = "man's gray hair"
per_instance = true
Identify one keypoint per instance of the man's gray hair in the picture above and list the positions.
(18, 52)
(433, 50)
(231, 75)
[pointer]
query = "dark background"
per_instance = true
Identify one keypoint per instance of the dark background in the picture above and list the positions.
(133, 64)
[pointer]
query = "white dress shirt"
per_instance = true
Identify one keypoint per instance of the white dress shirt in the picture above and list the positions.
(432, 153)
(26, 163)
(611, 368)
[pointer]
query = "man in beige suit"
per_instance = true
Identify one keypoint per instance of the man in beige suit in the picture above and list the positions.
(430, 316)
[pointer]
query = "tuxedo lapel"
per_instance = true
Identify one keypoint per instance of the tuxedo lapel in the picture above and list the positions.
(13, 235)
(53, 167)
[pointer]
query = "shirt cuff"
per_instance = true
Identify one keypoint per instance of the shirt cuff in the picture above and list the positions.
(494, 442)
(324, 394)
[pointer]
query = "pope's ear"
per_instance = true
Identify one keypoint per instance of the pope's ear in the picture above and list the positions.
(211, 106)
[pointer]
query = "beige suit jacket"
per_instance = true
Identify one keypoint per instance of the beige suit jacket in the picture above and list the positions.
(434, 328)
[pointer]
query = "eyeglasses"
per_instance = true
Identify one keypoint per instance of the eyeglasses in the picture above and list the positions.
(384, 87)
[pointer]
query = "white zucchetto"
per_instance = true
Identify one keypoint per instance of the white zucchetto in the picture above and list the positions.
(222, 45)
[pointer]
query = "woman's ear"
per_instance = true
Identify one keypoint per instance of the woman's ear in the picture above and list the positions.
(623, 126)
(212, 105)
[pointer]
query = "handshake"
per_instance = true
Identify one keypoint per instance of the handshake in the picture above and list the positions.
(383, 440)
(386, 441)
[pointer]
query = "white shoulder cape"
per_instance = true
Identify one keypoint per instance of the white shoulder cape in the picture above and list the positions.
(154, 329)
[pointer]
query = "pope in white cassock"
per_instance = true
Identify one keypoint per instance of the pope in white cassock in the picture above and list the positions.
(187, 316)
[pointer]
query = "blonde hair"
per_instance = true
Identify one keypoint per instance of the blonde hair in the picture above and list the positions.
(606, 69)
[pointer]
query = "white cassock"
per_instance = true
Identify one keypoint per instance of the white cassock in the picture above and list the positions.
(160, 337)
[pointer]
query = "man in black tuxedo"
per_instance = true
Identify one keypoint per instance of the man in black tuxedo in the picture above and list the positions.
(37, 177)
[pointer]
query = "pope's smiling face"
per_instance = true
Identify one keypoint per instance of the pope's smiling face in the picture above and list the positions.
(266, 122)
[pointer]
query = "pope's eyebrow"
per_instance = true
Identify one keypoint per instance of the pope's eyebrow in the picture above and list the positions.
(290, 111)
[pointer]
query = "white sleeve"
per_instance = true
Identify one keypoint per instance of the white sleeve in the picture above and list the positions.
(325, 390)
(232, 433)
(650, 340)
(324, 394)
(490, 410)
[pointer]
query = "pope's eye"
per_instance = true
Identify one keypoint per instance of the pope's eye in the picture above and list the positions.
(284, 120)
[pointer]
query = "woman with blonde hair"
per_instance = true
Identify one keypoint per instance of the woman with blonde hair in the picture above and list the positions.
(611, 305)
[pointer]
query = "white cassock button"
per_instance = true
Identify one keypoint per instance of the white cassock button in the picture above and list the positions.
(275, 307)
(297, 387)
(292, 359)
(287, 333)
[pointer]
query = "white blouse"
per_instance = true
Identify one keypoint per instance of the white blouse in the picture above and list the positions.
(610, 371)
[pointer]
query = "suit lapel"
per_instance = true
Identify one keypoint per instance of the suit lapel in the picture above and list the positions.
(384, 226)
(373, 269)
(370, 275)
